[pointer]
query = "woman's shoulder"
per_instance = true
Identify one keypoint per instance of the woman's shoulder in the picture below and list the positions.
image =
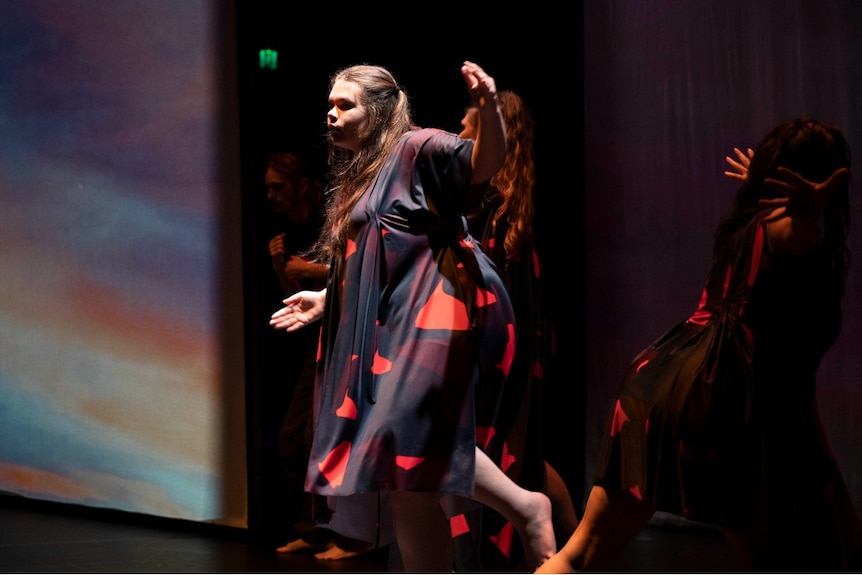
(436, 141)
(419, 136)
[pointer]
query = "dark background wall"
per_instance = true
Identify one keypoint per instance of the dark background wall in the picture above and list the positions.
(533, 52)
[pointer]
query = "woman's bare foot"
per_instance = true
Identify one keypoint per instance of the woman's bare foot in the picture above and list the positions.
(537, 533)
(337, 553)
(302, 546)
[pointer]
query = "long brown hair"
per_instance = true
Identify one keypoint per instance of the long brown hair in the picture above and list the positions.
(517, 178)
(814, 149)
(389, 118)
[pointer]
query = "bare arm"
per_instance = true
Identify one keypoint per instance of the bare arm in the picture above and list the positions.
(297, 269)
(489, 151)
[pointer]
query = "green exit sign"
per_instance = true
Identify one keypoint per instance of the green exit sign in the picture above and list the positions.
(268, 59)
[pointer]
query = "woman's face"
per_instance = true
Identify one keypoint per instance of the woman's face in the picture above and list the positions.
(347, 117)
(469, 123)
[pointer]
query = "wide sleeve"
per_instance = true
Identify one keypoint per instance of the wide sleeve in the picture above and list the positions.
(444, 168)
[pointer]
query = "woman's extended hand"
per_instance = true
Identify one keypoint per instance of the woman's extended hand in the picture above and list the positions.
(740, 166)
(300, 309)
(483, 88)
(801, 198)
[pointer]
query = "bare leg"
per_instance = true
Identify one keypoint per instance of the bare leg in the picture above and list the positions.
(565, 516)
(612, 519)
(422, 532)
(528, 511)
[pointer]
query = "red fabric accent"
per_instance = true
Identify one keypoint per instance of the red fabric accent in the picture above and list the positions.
(701, 316)
(347, 409)
(536, 265)
(458, 525)
(442, 311)
(506, 363)
(332, 468)
(484, 435)
(503, 540)
(484, 297)
(758, 250)
(507, 459)
(381, 364)
(408, 462)
(620, 418)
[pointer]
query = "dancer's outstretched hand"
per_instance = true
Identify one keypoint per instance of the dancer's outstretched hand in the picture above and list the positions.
(801, 198)
(740, 165)
(300, 309)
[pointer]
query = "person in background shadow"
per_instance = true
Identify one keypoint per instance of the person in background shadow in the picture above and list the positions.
(295, 196)
(414, 316)
(716, 421)
(510, 419)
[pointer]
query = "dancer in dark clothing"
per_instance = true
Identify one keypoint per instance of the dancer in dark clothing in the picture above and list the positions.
(717, 420)
(511, 420)
(414, 315)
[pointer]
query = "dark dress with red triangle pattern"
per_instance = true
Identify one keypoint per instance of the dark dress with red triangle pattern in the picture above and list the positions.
(415, 317)
(510, 418)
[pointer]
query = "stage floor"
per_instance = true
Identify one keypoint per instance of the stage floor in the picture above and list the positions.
(39, 537)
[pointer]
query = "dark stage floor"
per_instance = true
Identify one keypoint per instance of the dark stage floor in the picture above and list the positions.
(40, 537)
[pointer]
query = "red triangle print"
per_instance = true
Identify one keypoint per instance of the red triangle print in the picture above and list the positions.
(507, 458)
(381, 364)
(484, 435)
(408, 462)
(442, 311)
(332, 468)
(620, 418)
(351, 249)
(484, 297)
(506, 363)
(347, 409)
(503, 540)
